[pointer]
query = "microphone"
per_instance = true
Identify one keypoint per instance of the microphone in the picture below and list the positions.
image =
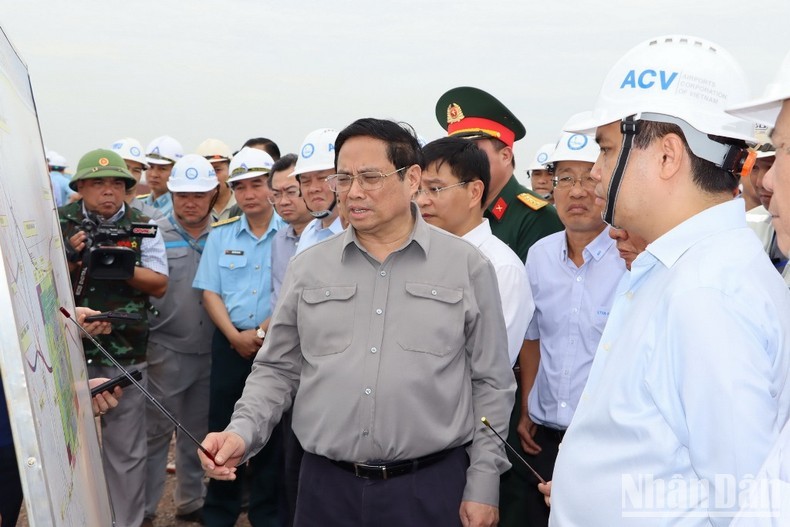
(513, 450)
(136, 383)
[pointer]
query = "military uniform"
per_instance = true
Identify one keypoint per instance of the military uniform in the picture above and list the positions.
(518, 217)
(236, 265)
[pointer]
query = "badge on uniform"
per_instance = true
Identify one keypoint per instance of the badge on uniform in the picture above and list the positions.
(234, 252)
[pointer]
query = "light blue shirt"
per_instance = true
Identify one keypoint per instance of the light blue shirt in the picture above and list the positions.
(60, 187)
(571, 307)
(315, 232)
(283, 248)
(164, 202)
(237, 266)
(687, 383)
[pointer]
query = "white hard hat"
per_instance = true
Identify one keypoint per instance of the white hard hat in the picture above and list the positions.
(249, 163)
(192, 173)
(214, 150)
(56, 160)
(765, 110)
(681, 77)
(163, 151)
(129, 149)
(540, 160)
(575, 146)
(317, 152)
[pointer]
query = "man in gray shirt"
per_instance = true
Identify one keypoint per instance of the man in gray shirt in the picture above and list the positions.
(395, 343)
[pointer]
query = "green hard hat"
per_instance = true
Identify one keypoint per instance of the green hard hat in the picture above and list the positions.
(102, 163)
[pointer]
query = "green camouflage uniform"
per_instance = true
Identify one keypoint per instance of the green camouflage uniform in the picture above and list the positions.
(127, 342)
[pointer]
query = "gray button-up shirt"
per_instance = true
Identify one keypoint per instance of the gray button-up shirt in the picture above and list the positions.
(283, 248)
(392, 360)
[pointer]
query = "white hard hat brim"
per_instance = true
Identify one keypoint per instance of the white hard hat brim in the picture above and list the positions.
(763, 111)
(247, 175)
(314, 168)
(196, 186)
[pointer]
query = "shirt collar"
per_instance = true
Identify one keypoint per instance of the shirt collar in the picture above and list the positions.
(274, 225)
(669, 247)
(596, 249)
(420, 234)
(479, 234)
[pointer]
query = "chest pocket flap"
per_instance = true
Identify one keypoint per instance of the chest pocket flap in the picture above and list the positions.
(435, 292)
(318, 295)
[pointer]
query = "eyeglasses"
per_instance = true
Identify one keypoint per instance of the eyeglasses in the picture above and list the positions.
(433, 192)
(276, 195)
(568, 182)
(366, 180)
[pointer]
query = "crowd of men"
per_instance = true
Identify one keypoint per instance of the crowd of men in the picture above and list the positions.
(337, 322)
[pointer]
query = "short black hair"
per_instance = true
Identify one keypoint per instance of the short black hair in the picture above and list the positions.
(285, 162)
(403, 148)
(269, 146)
(465, 159)
(707, 176)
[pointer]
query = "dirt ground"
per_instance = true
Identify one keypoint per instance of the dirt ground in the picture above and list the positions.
(166, 513)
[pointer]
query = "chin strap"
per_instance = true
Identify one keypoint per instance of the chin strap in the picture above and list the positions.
(629, 128)
(321, 214)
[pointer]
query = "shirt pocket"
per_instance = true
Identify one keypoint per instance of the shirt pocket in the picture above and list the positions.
(326, 319)
(436, 324)
(599, 318)
(175, 263)
(232, 273)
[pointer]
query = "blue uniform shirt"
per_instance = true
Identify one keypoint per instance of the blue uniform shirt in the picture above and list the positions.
(164, 202)
(314, 233)
(237, 266)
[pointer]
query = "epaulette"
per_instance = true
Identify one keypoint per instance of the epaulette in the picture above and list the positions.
(531, 201)
(226, 221)
(142, 196)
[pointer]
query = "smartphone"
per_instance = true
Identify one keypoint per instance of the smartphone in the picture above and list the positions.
(122, 380)
(114, 316)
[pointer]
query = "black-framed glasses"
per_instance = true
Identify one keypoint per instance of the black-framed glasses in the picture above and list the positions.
(434, 192)
(568, 182)
(366, 180)
(276, 195)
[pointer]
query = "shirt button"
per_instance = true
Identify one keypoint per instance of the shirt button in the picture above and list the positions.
(578, 278)
(373, 350)
(607, 346)
(232, 266)
(257, 267)
(368, 391)
(629, 295)
(379, 311)
(433, 292)
(254, 291)
(250, 316)
(383, 273)
(365, 432)
(327, 293)
(563, 404)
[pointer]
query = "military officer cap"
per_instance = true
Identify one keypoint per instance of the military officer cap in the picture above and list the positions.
(102, 163)
(474, 114)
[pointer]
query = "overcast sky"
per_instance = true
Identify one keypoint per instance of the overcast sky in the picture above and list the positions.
(235, 69)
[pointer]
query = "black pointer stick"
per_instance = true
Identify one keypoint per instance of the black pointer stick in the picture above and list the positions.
(139, 386)
(513, 450)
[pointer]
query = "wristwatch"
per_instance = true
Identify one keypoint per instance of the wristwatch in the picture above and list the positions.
(261, 333)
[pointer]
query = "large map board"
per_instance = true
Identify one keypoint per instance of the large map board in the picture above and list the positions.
(41, 356)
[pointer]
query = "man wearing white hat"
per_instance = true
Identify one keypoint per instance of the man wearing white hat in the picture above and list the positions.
(687, 389)
(132, 153)
(161, 154)
(60, 181)
(317, 162)
(179, 345)
(768, 502)
(539, 174)
(219, 154)
(573, 275)
(235, 276)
